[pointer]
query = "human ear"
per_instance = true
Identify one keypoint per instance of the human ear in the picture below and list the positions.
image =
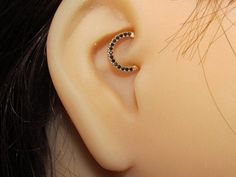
(99, 99)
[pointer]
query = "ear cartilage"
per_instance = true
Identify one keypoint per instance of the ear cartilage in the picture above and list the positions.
(110, 52)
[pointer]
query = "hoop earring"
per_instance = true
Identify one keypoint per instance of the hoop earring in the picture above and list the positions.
(110, 52)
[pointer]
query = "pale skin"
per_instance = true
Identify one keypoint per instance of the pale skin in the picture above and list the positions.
(171, 118)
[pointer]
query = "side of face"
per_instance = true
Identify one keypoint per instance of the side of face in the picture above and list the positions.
(175, 117)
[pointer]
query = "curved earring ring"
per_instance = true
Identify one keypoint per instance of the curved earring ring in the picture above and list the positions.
(110, 52)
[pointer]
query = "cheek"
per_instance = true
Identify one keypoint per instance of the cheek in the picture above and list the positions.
(179, 131)
(170, 88)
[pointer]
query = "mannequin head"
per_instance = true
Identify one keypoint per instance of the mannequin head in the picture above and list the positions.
(174, 117)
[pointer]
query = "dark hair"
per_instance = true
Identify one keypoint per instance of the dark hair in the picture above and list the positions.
(27, 96)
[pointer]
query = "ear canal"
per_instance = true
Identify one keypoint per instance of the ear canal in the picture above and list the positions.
(98, 112)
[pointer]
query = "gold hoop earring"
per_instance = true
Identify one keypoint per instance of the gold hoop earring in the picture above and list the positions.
(110, 52)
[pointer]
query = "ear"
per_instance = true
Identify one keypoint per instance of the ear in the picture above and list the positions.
(99, 99)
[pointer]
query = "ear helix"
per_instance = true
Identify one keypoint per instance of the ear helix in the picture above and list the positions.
(110, 52)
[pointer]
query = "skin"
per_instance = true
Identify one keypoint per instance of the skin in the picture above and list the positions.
(174, 117)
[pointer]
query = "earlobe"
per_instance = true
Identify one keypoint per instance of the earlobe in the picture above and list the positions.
(97, 109)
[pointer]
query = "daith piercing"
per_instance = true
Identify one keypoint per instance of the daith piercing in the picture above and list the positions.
(110, 52)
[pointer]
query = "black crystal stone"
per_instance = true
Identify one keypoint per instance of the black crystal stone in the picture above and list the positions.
(122, 69)
(118, 66)
(115, 64)
(126, 69)
(117, 37)
(111, 57)
(110, 48)
(121, 35)
(131, 69)
(113, 61)
(114, 40)
(129, 33)
(112, 44)
(125, 34)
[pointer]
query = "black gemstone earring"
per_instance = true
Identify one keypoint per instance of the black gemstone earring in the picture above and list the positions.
(110, 52)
